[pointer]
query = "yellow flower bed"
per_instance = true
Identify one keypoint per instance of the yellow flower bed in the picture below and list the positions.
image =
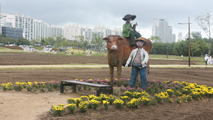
(184, 93)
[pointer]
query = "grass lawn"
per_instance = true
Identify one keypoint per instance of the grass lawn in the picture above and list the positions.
(186, 58)
(3, 49)
(38, 47)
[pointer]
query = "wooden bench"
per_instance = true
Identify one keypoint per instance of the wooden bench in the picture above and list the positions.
(100, 88)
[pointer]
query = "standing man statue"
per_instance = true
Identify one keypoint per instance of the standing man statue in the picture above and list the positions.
(139, 58)
(129, 30)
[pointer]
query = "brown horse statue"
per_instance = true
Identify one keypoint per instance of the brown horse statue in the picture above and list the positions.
(118, 51)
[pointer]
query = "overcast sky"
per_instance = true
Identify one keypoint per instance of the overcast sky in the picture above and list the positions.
(109, 13)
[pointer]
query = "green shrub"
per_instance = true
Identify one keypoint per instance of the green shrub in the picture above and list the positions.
(29, 88)
(18, 87)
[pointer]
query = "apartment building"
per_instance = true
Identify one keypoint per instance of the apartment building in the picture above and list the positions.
(70, 31)
(163, 31)
(32, 28)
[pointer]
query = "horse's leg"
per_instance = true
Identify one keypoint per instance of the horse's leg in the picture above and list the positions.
(111, 71)
(119, 75)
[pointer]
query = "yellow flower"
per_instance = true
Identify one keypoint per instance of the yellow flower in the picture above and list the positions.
(183, 95)
(124, 97)
(105, 102)
(176, 82)
(30, 83)
(71, 105)
(84, 97)
(91, 96)
(118, 101)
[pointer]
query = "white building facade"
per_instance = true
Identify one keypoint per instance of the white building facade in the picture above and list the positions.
(32, 28)
(71, 31)
(21, 22)
(44, 30)
(163, 31)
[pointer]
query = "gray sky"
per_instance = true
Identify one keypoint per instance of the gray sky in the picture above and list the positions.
(110, 12)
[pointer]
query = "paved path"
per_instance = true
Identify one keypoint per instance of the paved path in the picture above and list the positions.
(164, 59)
(95, 66)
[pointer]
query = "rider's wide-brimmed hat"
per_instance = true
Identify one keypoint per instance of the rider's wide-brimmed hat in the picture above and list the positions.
(141, 39)
(126, 17)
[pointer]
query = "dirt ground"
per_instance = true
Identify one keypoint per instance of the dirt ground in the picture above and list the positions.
(15, 105)
(50, 59)
(26, 105)
(197, 75)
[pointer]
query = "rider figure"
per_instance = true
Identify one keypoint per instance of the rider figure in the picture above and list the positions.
(129, 30)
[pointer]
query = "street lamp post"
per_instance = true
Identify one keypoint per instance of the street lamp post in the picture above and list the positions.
(188, 35)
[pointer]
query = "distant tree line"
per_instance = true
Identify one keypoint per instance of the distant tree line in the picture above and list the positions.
(19, 41)
(198, 46)
(80, 42)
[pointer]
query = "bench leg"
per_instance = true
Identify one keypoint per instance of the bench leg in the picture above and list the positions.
(61, 88)
(74, 88)
(111, 90)
(98, 92)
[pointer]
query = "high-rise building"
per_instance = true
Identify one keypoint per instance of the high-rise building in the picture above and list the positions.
(11, 32)
(32, 28)
(163, 31)
(87, 33)
(21, 22)
(44, 30)
(173, 38)
(70, 31)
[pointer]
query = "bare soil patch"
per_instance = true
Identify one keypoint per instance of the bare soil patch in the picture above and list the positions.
(47, 59)
(27, 105)
(194, 110)
(50, 59)
(195, 75)
(13, 47)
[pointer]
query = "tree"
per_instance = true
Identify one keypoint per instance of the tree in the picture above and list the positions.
(43, 41)
(194, 47)
(74, 43)
(3, 40)
(181, 48)
(155, 39)
(34, 41)
(198, 44)
(22, 41)
(205, 22)
(98, 40)
(50, 40)
(61, 42)
(201, 45)
(82, 42)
